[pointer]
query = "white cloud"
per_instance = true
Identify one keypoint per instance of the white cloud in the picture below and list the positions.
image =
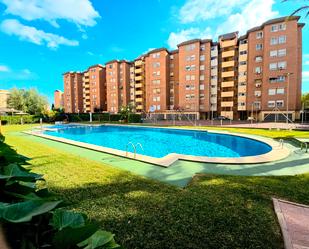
(187, 34)
(251, 15)
(80, 12)
(306, 63)
(305, 76)
(31, 34)
(201, 10)
(4, 68)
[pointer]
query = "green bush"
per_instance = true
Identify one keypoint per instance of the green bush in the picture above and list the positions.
(32, 217)
(134, 118)
(27, 119)
(115, 117)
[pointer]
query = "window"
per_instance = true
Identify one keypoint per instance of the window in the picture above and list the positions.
(202, 96)
(281, 78)
(282, 52)
(193, 77)
(241, 94)
(258, 58)
(282, 39)
(242, 63)
(202, 67)
(257, 93)
(202, 87)
(279, 103)
(273, 53)
(242, 73)
(271, 104)
(158, 107)
(202, 77)
(156, 64)
(273, 41)
(156, 55)
(259, 35)
(273, 66)
(188, 68)
(243, 52)
(244, 41)
(213, 48)
(203, 47)
(271, 91)
(202, 57)
(257, 104)
(190, 57)
(258, 70)
(274, 28)
(280, 90)
(258, 46)
(172, 57)
(282, 26)
(190, 47)
(171, 65)
(187, 77)
(282, 65)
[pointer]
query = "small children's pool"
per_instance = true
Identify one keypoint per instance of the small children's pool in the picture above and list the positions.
(159, 142)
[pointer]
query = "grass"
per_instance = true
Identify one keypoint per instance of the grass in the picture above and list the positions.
(213, 211)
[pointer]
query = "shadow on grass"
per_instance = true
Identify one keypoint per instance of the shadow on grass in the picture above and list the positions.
(9, 155)
(212, 212)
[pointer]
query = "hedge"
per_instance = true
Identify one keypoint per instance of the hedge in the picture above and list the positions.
(134, 118)
(27, 119)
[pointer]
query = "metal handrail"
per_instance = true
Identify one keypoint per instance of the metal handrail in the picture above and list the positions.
(305, 146)
(133, 148)
(140, 145)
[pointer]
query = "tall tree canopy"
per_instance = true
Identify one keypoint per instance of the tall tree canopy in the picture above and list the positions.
(305, 99)
(29, 101)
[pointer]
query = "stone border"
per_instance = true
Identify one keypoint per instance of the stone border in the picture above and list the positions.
(278, 151)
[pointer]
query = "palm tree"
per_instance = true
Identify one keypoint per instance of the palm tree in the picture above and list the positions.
(304, 8)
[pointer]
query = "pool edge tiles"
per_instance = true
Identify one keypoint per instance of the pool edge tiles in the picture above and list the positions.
(276, 153)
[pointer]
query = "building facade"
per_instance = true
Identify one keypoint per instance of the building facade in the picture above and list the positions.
(94, 89)
(256, 75)
(117, 85)
(73, 92)
(4, 95)
(58, 99)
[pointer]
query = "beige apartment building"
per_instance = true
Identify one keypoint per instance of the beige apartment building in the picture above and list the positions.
(4, 95)
(255, 75)
(94, 89)
(117, 85)
(58, 99)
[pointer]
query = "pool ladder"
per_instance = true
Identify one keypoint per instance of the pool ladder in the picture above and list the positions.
(134, 148)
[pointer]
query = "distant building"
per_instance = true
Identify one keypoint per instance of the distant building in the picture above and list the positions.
(58, 99)
(4, 95)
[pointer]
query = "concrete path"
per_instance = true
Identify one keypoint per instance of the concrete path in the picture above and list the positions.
(294, 222)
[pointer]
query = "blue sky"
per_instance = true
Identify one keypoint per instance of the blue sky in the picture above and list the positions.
(41, 39)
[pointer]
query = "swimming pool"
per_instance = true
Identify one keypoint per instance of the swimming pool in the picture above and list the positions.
(160, 142)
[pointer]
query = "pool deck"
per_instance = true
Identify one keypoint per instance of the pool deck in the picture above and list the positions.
(278, 150)
(294, 222)
(181, 172)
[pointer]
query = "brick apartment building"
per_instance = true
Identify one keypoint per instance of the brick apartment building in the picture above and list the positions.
(58, 99)
(73, 92)
(255, 75)
(117, 85)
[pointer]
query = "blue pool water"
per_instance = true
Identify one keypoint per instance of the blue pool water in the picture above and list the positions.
(159, 142)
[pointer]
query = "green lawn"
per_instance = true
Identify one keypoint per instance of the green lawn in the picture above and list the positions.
(213, 211)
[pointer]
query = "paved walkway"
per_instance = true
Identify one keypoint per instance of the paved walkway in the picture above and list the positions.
(181, 172)
(294, 222)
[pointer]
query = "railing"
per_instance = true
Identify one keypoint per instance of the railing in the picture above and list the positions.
(134, 148)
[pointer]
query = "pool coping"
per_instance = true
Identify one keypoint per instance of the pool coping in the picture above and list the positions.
(278, 150)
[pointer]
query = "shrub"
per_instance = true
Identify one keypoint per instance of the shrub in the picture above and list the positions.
(32, 217)
(134, 118)
(115, 117)
(27, 119)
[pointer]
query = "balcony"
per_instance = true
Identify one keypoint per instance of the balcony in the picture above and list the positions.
(138, 70)
(138, 63)
(85, 79)
(228, 74)
(139, 85)
(87, 91)
(227, 84)
(139, 107)
(242, 108)
(139, 92)
(243, 57)
(228, 64)
(86, 74)
(228, 54)
(228, 114)
(139, 100)
(138, 78)
(229, 43)
(227, 104)
(243, 47)
(227, 94)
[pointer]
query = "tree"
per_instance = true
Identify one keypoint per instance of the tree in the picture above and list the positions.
(29, 101)
(125, 111)
(304, 8)
(305, 100)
